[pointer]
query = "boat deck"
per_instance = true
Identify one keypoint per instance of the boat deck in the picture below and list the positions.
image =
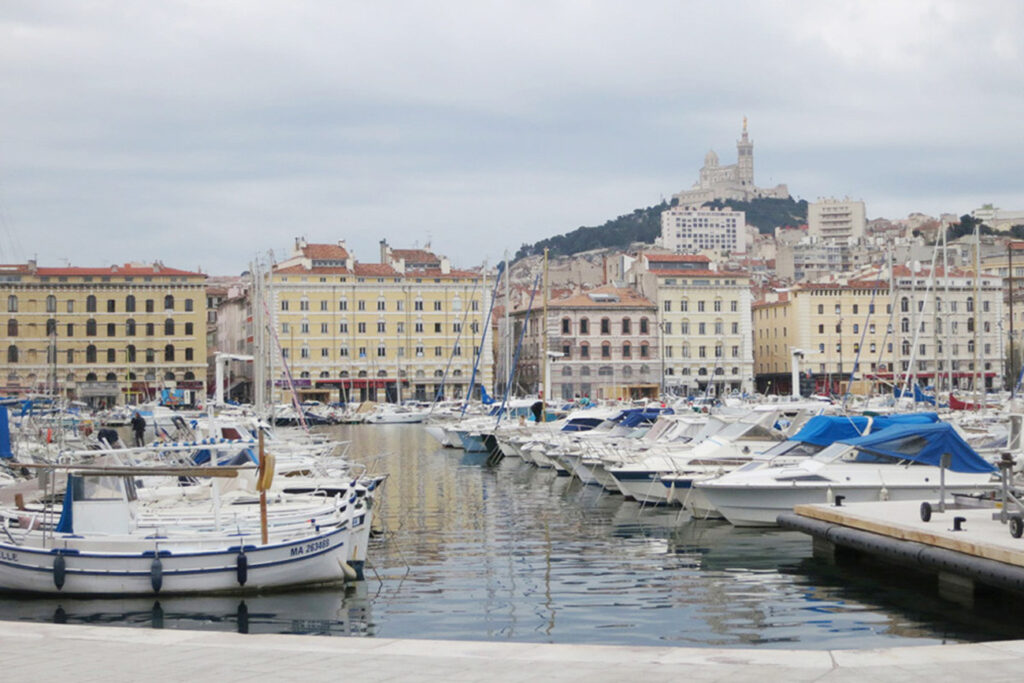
(31, 651)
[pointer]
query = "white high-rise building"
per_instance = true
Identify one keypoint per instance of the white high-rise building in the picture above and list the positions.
(689, 230)
(836, 220)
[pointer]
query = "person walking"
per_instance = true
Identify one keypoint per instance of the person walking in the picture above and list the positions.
(139, 428)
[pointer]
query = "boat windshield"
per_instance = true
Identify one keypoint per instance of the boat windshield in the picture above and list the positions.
(833, 452)
(749, 431)
(792, 448)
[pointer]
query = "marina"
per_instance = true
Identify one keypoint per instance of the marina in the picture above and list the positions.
(467, 550)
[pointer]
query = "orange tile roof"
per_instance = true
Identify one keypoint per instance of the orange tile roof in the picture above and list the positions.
(375, 269)
(325, 252)
(701, 273)
(415, 255)
(678, 258)
(319, 270)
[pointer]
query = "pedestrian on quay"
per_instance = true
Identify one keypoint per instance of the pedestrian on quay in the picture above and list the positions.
(139, 428)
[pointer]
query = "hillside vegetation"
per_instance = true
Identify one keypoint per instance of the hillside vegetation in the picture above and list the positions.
(644, 225)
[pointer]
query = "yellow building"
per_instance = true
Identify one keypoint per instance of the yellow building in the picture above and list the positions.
(392, 330)
(703, 322)
(932, 330)
(104, 335)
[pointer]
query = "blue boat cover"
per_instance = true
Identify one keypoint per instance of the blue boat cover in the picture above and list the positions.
(634, 417)
(924, 443)
(582, 424)
(824, 430)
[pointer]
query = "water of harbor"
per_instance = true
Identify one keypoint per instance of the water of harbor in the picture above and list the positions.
(472, 551)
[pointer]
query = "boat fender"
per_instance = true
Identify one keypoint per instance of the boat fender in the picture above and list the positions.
(156, 574)
(348, 571)
(242, 569)
(60, 568)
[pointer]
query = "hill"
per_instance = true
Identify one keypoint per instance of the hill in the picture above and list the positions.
(644, 225)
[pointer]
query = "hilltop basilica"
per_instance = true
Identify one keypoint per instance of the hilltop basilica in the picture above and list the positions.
(735, 181)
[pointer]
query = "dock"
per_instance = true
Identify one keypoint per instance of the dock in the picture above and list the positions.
(33, 652)
(966, 548)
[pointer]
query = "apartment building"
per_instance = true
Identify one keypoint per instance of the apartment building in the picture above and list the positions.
(602, 343)
(106, 336)
(409, 326)
(689, 230)
(945, 331)
(836, 220)
(703, 322)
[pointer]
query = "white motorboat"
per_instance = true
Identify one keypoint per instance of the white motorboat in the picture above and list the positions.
(898, 463)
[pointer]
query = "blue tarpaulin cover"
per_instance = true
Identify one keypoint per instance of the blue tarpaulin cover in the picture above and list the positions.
(825, 430)
(925, 444)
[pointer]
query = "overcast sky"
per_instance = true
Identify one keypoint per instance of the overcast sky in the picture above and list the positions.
(208, 133)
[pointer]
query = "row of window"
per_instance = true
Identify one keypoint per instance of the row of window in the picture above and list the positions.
(12, 378)
(718, 328)
(905, 348)
(905, 306)
(92, 354)
(605, 370)
(381, 305)
(382, 328)
(606, 350)
(702, 351)
(716, 306)
(90, 304)
(130, 328)
(381, 351)
(625, 327)
(703, 371)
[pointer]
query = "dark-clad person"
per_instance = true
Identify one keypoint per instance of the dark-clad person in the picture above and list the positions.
(139, 428)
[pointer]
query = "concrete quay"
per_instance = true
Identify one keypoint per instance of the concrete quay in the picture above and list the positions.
(47, 652)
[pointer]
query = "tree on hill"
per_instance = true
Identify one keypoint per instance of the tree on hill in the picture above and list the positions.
(966, 227)
(643, 225)
(767, 213)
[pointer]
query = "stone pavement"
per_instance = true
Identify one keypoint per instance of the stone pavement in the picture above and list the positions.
(48, 652)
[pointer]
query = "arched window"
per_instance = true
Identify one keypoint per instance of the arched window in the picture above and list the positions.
(12, 327)
(150, 356)
(111, 306)
(131, 353)
(129, 303)
(905, 324)
(188, 329)
(584, 350)
(905, 347)
(129, 327)
(645, 350)
(627, 350)
(111, 377)
(169, 327)
(606, 349)
(566, 326)
(12, 354)
(605, 371)
(566, 371)
(51, 304)
(169, 353)
(150, 376)
(904, 305)
(111, 356)
(585, 371)
(91, 377)
(169, 376)
(970, 324)
(12, 304)
(150, 329)
(90, 304)
(111, 330)
(51, 327)
(90, 354)
(584, 326)
(627, 370)
(606, 326)
(627, 326)
(169, 302)
(970, 304)
(90, 327)
(644, 326)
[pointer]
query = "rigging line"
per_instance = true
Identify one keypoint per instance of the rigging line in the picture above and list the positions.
(860, 346)
(483, 338)
(519, 346)
(451, 356)
(287, 371)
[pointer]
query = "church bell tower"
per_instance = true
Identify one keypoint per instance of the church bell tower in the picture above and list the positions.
(745, 158)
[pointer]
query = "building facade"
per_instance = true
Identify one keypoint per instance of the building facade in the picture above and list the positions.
(943, 332)
(836, 220)
(691, 230)
(601, 344)
(704, 322)
(105, 336)
(399, 329)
